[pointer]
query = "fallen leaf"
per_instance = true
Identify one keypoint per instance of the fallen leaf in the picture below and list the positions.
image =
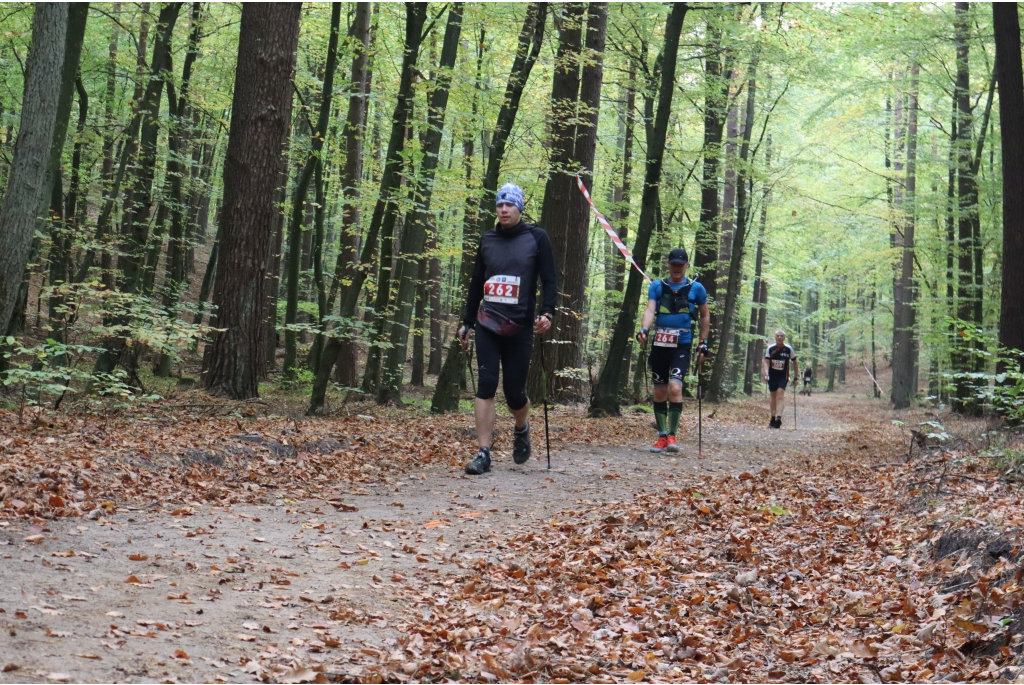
(89, 656)
(297, 675)
(34, 539)
(134, 580)
(138, 557)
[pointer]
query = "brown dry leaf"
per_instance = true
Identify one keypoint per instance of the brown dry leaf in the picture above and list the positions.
(636, 676)
(180, 654)
(297, 675)
(138, 557)
(134, 580)
(247, 638)
(11, 667)
(89, 656)
(863, 650)
(34, 539)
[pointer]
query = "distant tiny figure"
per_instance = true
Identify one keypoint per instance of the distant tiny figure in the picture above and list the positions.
(775, 369)
(808, 377)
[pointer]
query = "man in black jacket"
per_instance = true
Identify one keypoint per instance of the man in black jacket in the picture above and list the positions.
(500, 308)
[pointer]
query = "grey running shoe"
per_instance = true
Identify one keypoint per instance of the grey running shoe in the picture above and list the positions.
(521, 446)
(481, 463)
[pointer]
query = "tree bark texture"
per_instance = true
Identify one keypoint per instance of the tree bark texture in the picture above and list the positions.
(1011, 118)
(354, 132)
(721, 359)
(967, 201)
(606, 398)
(904, 353)
(716, 97)
(575, 98)
(260, 116)
(25, 182)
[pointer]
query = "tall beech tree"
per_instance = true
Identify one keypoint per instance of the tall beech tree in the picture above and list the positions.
(132, 261)
(575, 108)
(739, 237)
(606, 399)
(386, 209)
(260, 116)
(1011, 120)
(312, 166)
(414, 234)
(904, 351)
(354, 132)
(25, 180)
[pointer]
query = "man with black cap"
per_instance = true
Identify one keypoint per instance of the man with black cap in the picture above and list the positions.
(671, 304)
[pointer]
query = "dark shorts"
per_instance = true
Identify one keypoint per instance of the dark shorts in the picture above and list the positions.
(669, 364)
(512, 354)
(777, 382)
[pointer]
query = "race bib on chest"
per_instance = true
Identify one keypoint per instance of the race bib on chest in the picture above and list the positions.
(666, 337)
(778, 365)
(502, 289)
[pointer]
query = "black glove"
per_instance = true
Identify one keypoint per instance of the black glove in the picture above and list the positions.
(702, 349)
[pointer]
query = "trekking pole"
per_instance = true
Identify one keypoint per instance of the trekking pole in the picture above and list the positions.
(794, 407)
(700, 416)
(544, 381)
(469, 363)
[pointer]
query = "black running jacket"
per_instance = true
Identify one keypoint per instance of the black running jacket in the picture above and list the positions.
(509, 262)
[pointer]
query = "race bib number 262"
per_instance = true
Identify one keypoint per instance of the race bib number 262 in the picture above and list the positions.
(502, 289)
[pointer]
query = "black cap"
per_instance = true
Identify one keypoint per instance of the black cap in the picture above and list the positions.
(678, 256)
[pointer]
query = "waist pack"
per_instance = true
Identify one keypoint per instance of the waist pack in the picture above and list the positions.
(496, 322)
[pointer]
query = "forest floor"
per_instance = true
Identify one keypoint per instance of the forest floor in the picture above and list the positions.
(179, 545)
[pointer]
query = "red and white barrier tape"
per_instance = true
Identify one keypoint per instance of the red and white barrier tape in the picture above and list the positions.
(609, 230)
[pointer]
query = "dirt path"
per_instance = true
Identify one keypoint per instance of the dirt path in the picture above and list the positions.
(160, 594)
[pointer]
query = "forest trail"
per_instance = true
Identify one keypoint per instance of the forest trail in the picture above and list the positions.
(107, 614)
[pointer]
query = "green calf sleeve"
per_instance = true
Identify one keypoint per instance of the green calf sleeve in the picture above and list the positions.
(675, 410)
(661, 416)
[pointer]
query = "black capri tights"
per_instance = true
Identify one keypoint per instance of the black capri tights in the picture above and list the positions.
(513, 352)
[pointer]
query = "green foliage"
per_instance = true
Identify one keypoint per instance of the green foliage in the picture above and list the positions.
(999, 388)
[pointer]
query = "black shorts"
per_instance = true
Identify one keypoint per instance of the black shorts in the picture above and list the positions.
(512, 354)
(669, 364)
(777, 382)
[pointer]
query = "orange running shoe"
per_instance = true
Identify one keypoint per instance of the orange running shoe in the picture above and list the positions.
(661, 444)
(671, 445)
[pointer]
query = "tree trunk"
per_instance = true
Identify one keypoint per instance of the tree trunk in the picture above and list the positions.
(728, 222)
(433, 287)
(421, 312)
(575, 97)
(174, 281)
(25, 182)
(386, 207)
(967, 203)
(260, 116)
(760, 297)
(715, 384)
(531, 37)
(1011, 119)
(606, 399)
(355, 131)
(904, 352)
(716, 96)
(414, 235)
(132, 261)
(62, 220)
(295, 232)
